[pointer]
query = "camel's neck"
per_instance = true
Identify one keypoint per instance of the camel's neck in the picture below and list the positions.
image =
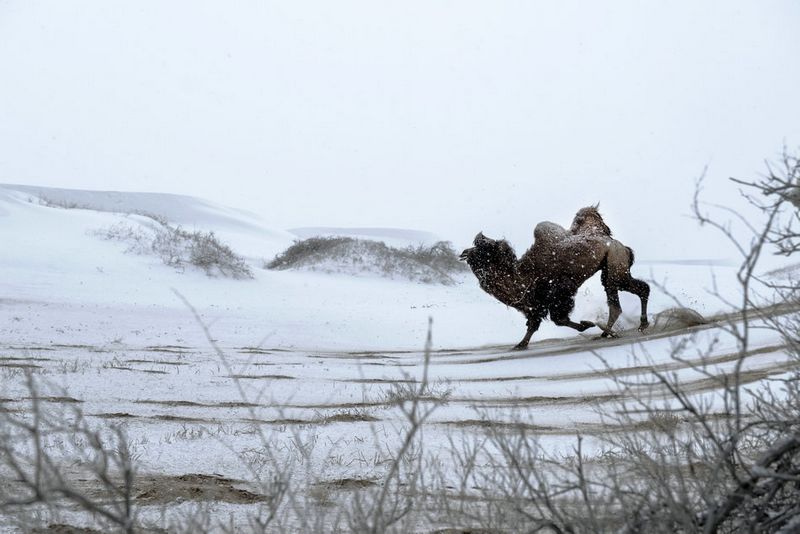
(503, 282)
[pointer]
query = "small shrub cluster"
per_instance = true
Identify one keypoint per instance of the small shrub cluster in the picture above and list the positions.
(301, 251)
(434, 264)
(441, 256)
(178, 247)
(63, 204)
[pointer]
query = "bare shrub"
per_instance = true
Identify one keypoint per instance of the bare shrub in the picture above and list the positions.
(169, 245)
(46, 450)
(307, 248)
(435, 264)
(409, 390)
(206, 251)
(178, 248)
(62, 204)
(441, 256)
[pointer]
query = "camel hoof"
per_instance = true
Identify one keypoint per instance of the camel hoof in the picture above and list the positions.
(585, 325)
(643, 327)
(609, 335)
(520, 346)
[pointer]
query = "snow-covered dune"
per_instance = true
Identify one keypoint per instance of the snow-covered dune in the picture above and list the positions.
(245, 231)
(61, 282)
(178, 208)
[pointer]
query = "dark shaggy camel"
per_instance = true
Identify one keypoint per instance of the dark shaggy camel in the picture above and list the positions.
(546, 278)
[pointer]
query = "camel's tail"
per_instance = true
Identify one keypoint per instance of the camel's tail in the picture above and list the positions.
(632, 257)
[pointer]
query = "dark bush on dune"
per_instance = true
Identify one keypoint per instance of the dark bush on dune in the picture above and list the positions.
(307, 248)
(179, 248)
(440, 255)
(435, 264)
(212, 255)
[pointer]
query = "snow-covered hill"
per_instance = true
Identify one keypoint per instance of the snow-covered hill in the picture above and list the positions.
(178, 208)
(61, 282)
(246, 232)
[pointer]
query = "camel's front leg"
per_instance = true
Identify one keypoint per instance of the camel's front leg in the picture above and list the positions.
(533, 325)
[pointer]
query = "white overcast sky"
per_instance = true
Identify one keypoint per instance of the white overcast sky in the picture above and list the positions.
(449, 116)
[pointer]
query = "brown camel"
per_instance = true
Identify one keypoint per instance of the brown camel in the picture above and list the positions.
(546, 278)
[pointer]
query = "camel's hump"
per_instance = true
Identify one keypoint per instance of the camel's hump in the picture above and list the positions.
(546, 231)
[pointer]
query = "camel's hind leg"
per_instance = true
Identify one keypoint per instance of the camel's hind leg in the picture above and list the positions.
(612, 297)
(566, 321)
(630, 285)
(642, 290)
(614, 310)
(616, 276)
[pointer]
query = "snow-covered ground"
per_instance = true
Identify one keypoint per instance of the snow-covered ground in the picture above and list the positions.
(303, 352)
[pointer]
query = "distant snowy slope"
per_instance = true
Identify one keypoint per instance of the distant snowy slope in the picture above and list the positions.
(177, 208)
(246, 232)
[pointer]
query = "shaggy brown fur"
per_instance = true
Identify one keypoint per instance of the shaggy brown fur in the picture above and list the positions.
(547, 277)
(588, 221)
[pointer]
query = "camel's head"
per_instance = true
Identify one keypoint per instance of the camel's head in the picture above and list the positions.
(489, 255)
(589, 221)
